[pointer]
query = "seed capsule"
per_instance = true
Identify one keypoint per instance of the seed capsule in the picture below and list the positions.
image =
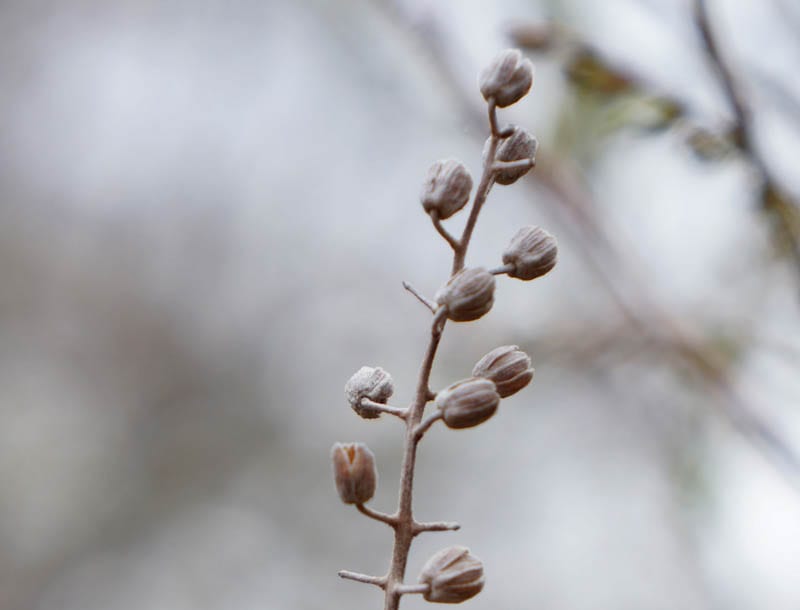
(519, 146)
(354, 472)
(452, 575)
(372, 383)
(507, 79)
(468, 403)
(446, 189)
(468, 295)
(532, 251)
(508, 367)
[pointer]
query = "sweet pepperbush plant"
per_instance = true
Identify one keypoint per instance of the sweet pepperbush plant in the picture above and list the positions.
(453, 574)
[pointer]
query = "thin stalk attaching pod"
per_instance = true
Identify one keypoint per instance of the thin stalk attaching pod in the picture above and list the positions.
(452, 575)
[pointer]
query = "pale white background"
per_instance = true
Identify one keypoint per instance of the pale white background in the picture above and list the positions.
(206, 212)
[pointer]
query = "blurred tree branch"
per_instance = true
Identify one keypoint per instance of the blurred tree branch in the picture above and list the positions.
(774, 199)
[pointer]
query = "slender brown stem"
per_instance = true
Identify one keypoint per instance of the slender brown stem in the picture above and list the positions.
(521, 164)
(496, 131)
(485, 185)
(436, 526)
(502, 269)
(429, 304)
(437, 223)
(406, 528)
(421, 588)
(423, 427)
(379, 581)
(389, 520)
(400, 412)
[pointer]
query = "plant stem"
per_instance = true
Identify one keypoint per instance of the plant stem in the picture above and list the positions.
(485, 185)
(378, 581)
(430, 305)
(389, 520)
(406, 528)
(437, 223)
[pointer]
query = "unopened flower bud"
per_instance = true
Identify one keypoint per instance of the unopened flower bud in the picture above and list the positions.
(507, 78)
(372, 383)
(354, 472)
(468, 295)
(452, 576)
(446, 189)
(519, 146)
(532, 252)
(468, 403)
(508, 367)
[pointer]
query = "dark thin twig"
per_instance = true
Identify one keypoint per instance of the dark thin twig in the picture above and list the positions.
(743, 122)
(502, 269)
(423, 427)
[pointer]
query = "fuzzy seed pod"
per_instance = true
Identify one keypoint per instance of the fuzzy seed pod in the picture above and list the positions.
(468, 403)
(508, 367)
(519, 146)
(354, 472)
(372, 383)
(447, 188)
(532, 251)
(453, 576)
(507, 79)
(468, 295)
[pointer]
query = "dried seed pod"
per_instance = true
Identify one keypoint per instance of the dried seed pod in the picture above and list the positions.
(468, 403)
(532, 251)
(447, 188)
(507, 78)
(468, 295)
(354, 472)
(372, 383)
(452, 576)
(519, 146)
(508, 367)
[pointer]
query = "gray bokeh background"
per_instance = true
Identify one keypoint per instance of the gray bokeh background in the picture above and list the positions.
(206, 212)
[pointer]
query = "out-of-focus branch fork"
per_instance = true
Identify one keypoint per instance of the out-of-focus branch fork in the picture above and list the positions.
(780, 203)
(732, 91)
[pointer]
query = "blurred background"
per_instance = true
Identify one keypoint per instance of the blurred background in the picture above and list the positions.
(207, 210)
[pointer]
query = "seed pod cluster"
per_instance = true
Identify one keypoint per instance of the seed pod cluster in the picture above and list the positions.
(453, 575)
(372, 383)
(532, 252)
